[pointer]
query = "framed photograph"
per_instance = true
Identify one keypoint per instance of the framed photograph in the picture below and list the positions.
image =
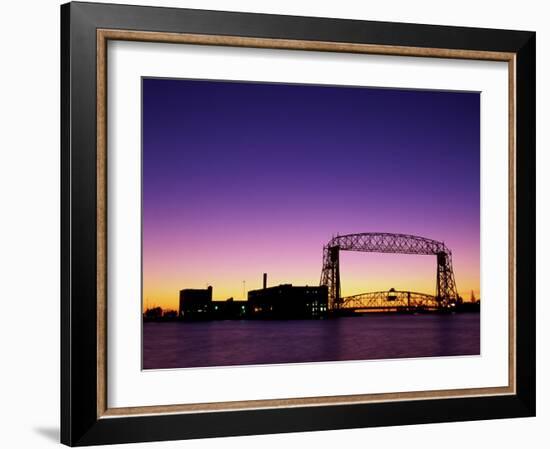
(281, 224)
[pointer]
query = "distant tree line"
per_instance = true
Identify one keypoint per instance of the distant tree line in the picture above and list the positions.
(158, 314)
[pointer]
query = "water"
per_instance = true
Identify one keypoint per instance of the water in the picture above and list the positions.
(223, 343)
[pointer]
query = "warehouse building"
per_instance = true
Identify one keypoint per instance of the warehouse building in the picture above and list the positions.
(230, 309)
(195, 303)
(286, 301)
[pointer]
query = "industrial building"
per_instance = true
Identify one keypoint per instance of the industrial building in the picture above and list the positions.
(286, 301)
(281, 302)
(230, 309)
(195, 303)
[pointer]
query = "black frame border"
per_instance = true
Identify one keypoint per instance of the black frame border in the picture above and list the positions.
(80, 424)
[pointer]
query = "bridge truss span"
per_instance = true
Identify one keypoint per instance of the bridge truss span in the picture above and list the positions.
(381, 242)
(390, 300)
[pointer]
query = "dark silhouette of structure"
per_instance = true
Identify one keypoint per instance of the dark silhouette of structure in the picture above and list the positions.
(281, 302)
(230, 309)
(288, 302)
(389, 301)
(195, 303)
(446, 292)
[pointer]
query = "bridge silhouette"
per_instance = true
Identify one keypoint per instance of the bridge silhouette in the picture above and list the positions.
(390, 300)
(380, 242)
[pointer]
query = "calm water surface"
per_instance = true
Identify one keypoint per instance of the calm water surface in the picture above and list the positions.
(223, 343)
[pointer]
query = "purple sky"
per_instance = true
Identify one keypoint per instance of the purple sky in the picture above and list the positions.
(241, 178)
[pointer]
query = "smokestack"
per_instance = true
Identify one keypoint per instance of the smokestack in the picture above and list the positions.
(265, 281)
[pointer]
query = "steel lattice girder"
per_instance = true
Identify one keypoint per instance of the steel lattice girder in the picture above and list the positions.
(388, 243)
(389, 299)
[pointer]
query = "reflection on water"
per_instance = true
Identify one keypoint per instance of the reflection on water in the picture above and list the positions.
(222, 343)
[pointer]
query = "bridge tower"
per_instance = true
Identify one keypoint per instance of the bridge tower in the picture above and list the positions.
(445, 287)
(331, 275)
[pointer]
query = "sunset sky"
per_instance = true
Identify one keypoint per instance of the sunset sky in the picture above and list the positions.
(245, 178)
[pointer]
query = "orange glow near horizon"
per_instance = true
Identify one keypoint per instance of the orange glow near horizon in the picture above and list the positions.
(360, 273)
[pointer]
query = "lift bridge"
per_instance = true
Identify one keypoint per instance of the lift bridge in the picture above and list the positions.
(379, 242)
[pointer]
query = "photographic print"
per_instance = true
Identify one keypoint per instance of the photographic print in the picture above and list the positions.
(295, 223)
